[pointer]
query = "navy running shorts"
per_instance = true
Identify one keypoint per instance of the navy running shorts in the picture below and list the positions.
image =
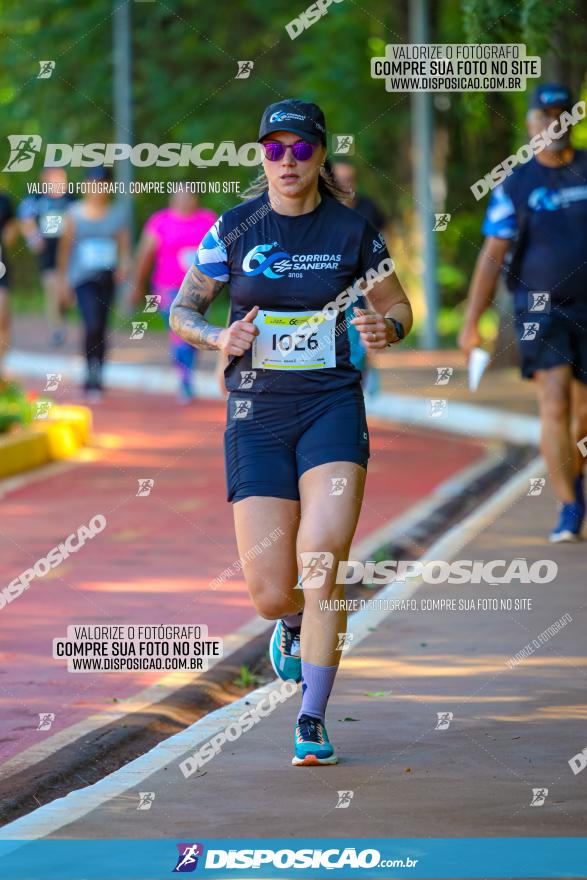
(271, 440)
(552, 338)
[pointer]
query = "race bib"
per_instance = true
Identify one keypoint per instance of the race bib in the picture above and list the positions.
(287, 342)
(97, 254)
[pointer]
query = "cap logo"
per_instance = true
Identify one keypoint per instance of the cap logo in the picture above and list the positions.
(281, 116)
(552, 95)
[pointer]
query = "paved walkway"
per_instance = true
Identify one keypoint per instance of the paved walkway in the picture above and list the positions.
(515, 723)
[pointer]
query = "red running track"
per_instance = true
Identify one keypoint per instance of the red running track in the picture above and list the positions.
(155, 559)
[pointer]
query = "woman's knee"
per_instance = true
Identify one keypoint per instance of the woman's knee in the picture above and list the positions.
(272, 603)
(555, 404)
(325, 547)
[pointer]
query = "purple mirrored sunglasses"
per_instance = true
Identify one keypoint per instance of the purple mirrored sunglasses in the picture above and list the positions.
(302, 150)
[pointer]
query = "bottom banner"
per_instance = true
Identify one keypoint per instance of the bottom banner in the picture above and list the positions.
(424, 858)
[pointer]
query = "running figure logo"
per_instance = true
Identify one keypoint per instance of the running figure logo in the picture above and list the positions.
(152, 302)
(23, 150)
(315, 567)
(46, 68)
(539, 301)
(42, 408)
(344, 799)
(344, 642)
(443, 375)
(145, 487)
(444, 719)
(50, 224)
(338, 484)
(46, 719)
(242, 409)
(530, 331)
(247, 379)
(138, 329)
(539, 795)
(536, 486)
(343, 144)
(437, 409)
(441, 222)
(146, 799)
(52, 383)
(245, 69)
(189, 853)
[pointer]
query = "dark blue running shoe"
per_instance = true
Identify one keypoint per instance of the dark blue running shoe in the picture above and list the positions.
(569, 525)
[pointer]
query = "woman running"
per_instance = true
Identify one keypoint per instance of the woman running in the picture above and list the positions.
(168, 244)
(296, 442)
(92, 256)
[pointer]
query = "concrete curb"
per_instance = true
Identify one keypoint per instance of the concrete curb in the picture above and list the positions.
(58, 437)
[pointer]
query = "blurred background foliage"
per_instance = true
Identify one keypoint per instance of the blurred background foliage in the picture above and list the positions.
(184, 62)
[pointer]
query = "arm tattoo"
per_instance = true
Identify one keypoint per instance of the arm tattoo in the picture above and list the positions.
(189, 307)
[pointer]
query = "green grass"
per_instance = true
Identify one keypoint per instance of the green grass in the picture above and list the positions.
(247, 678)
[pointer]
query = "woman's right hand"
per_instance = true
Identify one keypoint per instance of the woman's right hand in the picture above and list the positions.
(239, 336)
(469, 338)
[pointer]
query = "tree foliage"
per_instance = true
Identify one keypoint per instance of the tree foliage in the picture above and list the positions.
(184, 61)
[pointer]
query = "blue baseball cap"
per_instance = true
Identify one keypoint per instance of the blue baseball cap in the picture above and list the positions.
(299, 117)
(551, 95)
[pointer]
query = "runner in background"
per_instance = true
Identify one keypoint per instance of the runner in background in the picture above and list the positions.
(93, 255)
(345, 175)
(41, 223)
(8, 235)
(167, 249)
(541, 209)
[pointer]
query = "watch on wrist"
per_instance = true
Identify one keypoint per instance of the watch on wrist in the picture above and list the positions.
(398, 329)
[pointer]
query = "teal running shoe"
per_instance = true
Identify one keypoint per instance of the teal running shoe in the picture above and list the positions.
(312, 744)
(284, 651)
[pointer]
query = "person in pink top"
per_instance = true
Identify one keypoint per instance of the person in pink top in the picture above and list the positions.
(166, 250)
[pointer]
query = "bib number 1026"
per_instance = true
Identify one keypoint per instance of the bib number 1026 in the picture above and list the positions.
(294, 342)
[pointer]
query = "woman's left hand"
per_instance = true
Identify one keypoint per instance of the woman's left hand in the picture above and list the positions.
(374, 329)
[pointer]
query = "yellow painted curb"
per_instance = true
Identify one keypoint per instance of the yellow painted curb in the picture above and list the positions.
(59, 436)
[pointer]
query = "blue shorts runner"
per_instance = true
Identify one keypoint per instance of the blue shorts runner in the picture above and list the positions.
(552, 339)
(271, 440)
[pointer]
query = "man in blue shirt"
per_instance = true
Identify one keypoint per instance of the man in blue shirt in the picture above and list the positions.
(538, 217)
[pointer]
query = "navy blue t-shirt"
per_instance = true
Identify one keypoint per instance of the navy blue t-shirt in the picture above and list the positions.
(39, 205)
(290, 264)
(551, 205)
